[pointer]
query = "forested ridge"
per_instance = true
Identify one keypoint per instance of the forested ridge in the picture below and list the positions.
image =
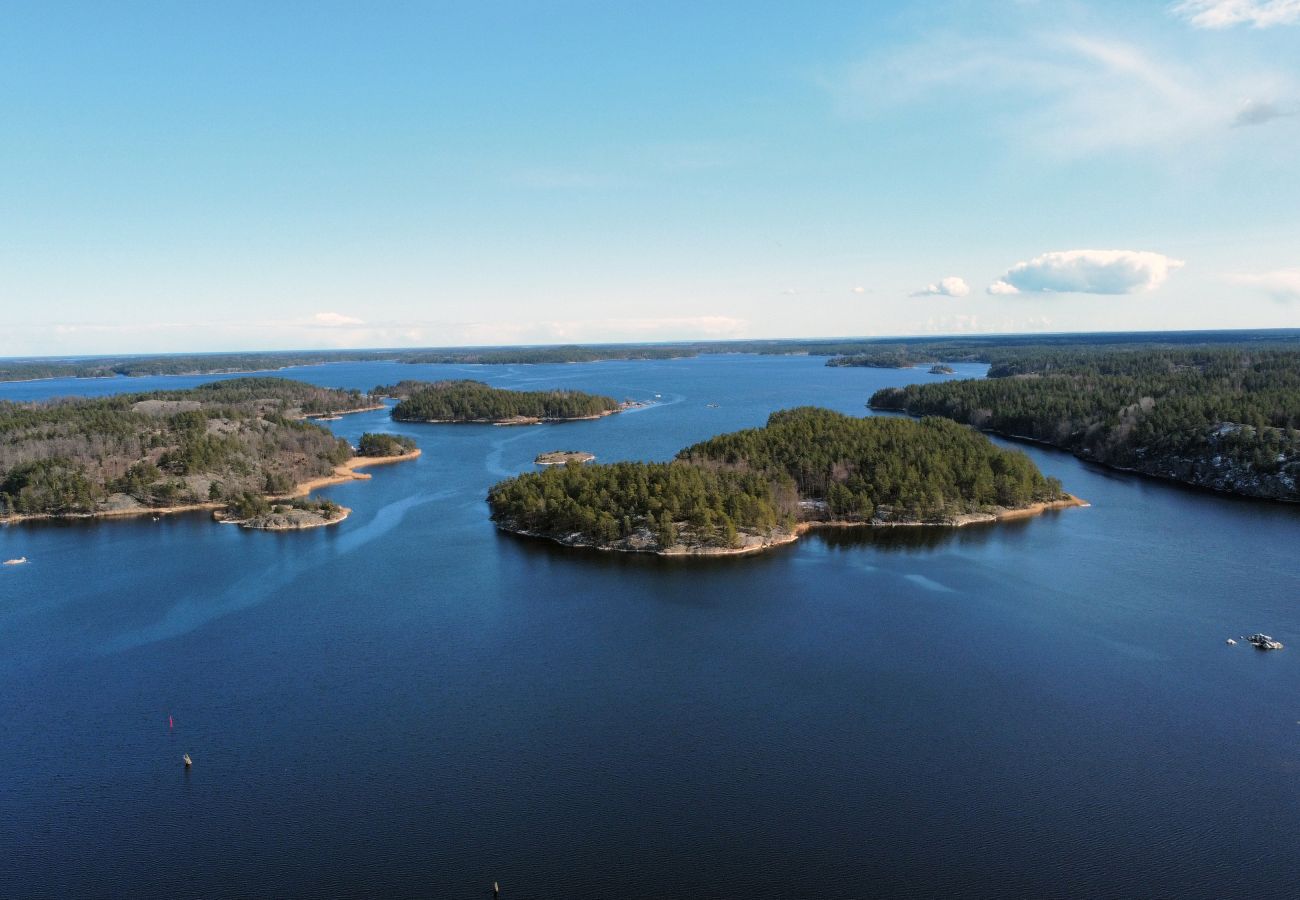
(214, 443)
(474, 401)
(805, 464)
(1222, 418)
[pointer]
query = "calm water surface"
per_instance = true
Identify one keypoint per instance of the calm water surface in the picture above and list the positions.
(413, 705)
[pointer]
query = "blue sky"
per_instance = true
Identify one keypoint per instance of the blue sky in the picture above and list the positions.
(182, 177)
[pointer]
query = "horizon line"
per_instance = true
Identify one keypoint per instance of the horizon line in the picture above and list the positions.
(697, 342)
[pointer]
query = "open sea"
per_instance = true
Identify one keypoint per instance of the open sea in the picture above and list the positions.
(412, 704)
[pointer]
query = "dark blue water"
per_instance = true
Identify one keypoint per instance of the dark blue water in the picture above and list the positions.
(411, 704)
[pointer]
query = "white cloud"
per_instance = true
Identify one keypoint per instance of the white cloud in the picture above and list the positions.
(1226, 13)
(1283, 284)
(335, 320)
(952, 286)
(1088, 272)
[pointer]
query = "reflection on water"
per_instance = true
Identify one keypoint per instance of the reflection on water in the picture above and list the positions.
(914, 538)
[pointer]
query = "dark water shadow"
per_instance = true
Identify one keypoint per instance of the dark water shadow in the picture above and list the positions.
(887, 539)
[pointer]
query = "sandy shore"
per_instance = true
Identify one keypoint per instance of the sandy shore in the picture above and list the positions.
(347, 472)
(756, 544)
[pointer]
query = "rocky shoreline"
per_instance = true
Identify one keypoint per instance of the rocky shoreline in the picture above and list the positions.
(562, 457)
(286, 519)
(642, 542)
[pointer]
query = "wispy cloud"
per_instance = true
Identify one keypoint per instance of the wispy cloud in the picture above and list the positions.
(335, 320)
(1227, 13)
(1088, 272)
(965, 323)
(334, 330)
(952, 286)
(1257, 112)
(1282, 284)
(1071, 94)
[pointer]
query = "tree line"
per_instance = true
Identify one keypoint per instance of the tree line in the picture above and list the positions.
(373, 444)
(848, 351)
(163, 448)
(1221, 417)
(806, 463)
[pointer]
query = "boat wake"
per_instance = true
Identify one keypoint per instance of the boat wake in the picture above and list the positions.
(386, 519)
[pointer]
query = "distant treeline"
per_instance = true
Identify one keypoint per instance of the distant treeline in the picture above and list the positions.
(866, 351)
(213, 443)
(1009, 354)
(194, 364)
(806, 463)
(534, 355)
(474, 401)
(1224, 418)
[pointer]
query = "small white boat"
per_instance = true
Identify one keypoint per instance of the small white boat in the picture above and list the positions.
(1264, 642)
(15, 562)
(1231, 642)
(188, 762)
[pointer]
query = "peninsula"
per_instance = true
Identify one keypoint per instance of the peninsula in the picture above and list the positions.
(752, 490)
(241, 447)
(473, 402)
(1223, 418)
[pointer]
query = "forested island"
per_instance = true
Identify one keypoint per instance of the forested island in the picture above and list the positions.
(1223, 418)
(762, 487)
(372, 444)
(473, 402)
(241, 447)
